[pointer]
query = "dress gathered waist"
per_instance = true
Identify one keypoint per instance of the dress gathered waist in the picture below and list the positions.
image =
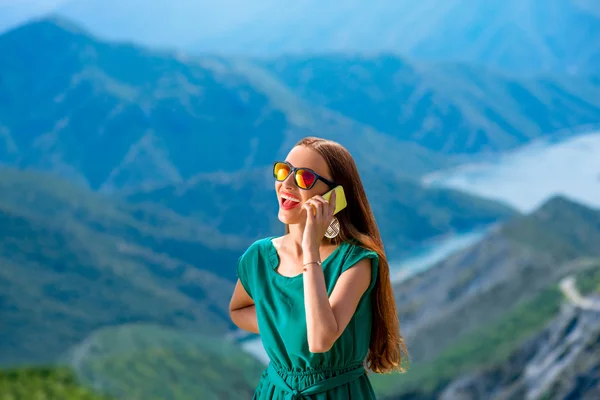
(278, 379)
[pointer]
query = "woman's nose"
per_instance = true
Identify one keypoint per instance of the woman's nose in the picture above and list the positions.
(289, 182)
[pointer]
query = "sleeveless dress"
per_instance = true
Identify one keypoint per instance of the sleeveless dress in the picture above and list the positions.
(294, 372)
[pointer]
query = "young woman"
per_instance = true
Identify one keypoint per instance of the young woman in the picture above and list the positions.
(320, 296)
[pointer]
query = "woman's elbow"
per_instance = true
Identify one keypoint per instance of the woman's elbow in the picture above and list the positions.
(321, 345)
(318, 349)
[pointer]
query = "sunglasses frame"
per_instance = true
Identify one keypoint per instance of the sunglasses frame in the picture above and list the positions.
(293, 171)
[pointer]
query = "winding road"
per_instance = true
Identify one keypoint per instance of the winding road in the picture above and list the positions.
(569, 289)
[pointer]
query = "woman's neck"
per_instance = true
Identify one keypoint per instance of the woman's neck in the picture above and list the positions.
(293, 240)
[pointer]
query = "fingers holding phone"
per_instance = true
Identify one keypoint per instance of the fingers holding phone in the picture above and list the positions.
(321, 208)
(320, 211)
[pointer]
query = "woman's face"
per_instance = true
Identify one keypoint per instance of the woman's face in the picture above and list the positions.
(290, 196)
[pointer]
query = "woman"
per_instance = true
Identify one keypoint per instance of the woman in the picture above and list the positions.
(322, 298)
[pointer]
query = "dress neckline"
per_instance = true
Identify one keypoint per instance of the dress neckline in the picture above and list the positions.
(274, 260)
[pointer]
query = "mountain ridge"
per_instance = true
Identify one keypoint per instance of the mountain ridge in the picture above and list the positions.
(171, 94)
(420, 102)
(91, 262)
(119, 118)
(466, 312)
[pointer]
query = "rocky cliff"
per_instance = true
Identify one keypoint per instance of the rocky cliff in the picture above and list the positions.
(561, 362)
(492, 318)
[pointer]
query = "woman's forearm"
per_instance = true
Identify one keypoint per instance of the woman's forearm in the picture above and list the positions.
(320, 321)
(245, 318)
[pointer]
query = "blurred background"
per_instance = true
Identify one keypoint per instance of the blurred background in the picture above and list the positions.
(135, 146)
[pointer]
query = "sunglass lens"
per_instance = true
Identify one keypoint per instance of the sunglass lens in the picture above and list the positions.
(305, 179)
(281, 171)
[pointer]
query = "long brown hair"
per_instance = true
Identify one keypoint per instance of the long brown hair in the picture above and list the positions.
(387, 349)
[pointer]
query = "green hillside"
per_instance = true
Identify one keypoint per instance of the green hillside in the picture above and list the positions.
(139, 362)
(44, 383)
(560, 227)
(72, 261)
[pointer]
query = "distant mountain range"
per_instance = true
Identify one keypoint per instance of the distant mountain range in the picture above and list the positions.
(149, 126)
(448, 107)
(116, 116)
(197, 135)
(129, 102)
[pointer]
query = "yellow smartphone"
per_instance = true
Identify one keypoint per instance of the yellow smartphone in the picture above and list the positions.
(340, 198)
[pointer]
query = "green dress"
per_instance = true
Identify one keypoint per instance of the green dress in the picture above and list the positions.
(294, 372)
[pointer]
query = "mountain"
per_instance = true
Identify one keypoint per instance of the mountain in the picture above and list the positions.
(519, 36)
(73, 261)
(482, 302)
(520, 258)
(143, 361)
(129, 100)
(150, 126)
(447, 107)
(115, 116)
(559, 362)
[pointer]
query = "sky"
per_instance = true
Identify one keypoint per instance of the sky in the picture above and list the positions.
(15, 12)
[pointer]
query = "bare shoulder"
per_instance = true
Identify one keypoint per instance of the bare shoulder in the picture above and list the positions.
(356, 277)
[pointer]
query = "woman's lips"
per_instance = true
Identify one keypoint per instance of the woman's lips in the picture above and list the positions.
(289, 201)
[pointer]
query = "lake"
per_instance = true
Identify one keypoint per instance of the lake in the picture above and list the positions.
(527, 177)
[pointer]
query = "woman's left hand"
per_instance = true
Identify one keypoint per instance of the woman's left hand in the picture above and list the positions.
(319, 213)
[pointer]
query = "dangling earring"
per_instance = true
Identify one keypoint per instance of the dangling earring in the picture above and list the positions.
(333, 229)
